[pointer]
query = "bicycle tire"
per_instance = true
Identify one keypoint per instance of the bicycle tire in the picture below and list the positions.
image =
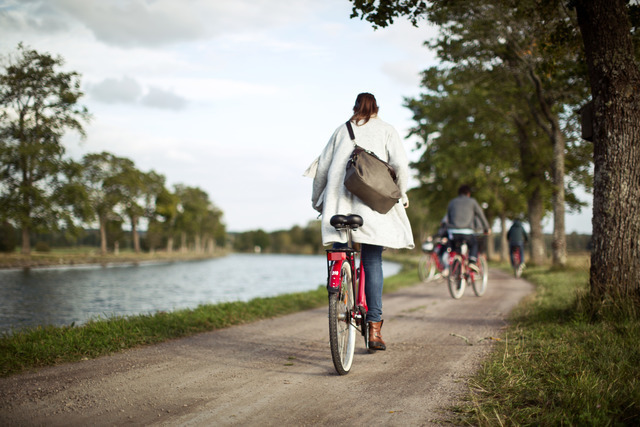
(479, 284)
(517, 271)
(342, 331)
(456, 280)
(426, 268)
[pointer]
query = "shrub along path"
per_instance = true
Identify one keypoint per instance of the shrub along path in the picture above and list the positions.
(279, 371)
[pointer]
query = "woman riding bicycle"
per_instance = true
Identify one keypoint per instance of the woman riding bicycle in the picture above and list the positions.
(331, 197)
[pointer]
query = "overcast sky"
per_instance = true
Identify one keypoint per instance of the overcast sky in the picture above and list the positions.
(236, 97)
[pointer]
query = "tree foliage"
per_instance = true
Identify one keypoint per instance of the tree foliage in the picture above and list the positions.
(38, 105)
(529, 53)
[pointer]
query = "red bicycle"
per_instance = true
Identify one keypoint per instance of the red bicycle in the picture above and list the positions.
(430, 265)
(518, 265)
(460, 273)
(347, 299)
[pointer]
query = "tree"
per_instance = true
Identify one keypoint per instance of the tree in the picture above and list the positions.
(608, 38)
(197, 218)
(166, 215)
(136, 192)
(534, 42)
(154, 187)
(38, 105)
(468, 120)
(98, 173)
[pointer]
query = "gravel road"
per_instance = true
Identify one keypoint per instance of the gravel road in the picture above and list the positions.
(279, 371)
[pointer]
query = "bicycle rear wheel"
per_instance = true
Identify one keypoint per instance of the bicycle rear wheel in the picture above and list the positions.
(342, 330)
(426, 268)
(479, 281)
(517, 271)
(456, 280)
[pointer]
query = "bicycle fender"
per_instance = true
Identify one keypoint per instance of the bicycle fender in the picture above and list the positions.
(333, 285)
(362, 298)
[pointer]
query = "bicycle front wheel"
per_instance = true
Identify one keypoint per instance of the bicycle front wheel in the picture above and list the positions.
(342, 330)
(426, 268)
(456, 279)
(479, 281)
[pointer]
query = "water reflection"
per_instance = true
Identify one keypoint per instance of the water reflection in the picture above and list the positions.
(60, 296)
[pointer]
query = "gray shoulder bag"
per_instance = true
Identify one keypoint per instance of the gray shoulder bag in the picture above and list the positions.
(370, 178)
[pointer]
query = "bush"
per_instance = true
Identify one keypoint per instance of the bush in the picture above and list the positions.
(42, 247)
(8, 237)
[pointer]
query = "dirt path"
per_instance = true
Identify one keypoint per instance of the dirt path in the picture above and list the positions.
(279, 371)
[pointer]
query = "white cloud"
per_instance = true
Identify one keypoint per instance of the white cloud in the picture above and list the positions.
(163, 99)
(126, 90)
(131, 23)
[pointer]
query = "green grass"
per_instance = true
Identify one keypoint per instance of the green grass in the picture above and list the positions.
(557, 364)
(45, 346)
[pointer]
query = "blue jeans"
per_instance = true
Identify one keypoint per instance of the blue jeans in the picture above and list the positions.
(472, 243)
(371, 259)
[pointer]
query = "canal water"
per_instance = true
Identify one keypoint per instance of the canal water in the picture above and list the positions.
(62, 296)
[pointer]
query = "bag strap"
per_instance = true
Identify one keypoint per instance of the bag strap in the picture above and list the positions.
(351, 134)
(392, 172)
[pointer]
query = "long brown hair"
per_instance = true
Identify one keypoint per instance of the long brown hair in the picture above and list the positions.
(365, 107)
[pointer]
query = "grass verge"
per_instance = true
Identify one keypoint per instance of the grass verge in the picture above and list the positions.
(556, 364)
(45, 346)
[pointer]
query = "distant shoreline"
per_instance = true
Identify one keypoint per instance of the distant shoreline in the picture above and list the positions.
(87, 258)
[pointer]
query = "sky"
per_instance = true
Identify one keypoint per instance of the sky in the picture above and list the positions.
(236, 97)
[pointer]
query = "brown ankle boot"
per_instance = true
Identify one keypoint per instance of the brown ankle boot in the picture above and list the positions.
(375, 338)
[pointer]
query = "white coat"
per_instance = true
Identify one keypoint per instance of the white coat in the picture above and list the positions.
(391, 230)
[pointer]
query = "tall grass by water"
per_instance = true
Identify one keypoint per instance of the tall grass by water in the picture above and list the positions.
(557, 364)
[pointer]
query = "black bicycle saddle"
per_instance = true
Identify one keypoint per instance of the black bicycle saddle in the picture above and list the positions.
(346, 221)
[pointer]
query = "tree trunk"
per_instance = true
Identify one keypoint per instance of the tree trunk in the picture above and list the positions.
(504, 244)
(183, 242)
(559, 245)
(170, 244)
(135, 235)
(536, 212)
(533, 174)
(103, 236)
(548, 121)
(26, 241)
(615, 79)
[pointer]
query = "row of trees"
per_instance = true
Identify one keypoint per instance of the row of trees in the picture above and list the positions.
(42, 190)
(297, 240)
(499, 112)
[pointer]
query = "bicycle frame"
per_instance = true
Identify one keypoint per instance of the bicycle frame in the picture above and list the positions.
(335, 259)
(437, 259)
(431, 251)
(463, 253)
(516, 255)
(347, 299)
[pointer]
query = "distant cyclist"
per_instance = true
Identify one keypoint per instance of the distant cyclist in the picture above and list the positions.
(463, 213)
(517, 238)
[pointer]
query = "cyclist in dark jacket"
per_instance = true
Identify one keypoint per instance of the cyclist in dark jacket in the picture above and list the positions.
(517, 238)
